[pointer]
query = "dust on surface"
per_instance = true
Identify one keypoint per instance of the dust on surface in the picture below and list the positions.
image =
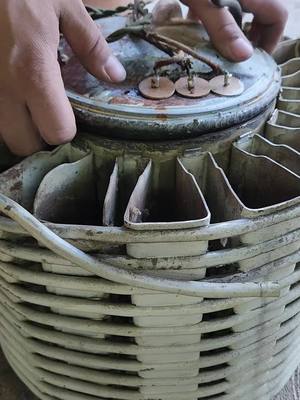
(10, 386)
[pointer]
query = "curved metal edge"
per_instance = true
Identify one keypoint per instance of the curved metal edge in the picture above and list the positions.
(195, 289)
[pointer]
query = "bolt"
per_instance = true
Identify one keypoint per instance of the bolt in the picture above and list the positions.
(227, 78)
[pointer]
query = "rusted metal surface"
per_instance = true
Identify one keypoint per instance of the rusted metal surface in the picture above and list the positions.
(111, 324)
(271, 253)
(120, 111)
(165, 89)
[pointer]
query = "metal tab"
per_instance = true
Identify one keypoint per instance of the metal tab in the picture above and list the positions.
(292, 80)
(121, 185)
(284, 128)
(263, 185)
(287, 50)
(21, 181)
(289, 100)
(68, 194)
(281, 153)
(159, 202)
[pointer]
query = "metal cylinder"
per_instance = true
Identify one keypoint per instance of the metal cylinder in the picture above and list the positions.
(157, 269)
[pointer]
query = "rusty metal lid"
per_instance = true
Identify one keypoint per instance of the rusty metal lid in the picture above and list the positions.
(120, 110)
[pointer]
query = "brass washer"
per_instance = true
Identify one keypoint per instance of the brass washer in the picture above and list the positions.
(201, 88)
(165, 90)
(234, 88)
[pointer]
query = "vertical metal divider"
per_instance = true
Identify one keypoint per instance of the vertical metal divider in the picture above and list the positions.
(209, 342)
(288, 57)
(240, 166)
(154, 193)
(71, 190)
(258, 167)
(21, 181)
(281, 153)
(157, 203)
(70, 187)
(122, 181)
(224, 205)
(286, 156)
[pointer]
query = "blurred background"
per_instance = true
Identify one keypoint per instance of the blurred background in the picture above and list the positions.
(293, 28)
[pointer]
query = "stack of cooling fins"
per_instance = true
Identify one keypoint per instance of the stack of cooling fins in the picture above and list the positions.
(70, 335)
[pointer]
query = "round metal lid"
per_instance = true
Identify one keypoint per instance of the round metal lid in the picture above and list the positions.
(120, 110)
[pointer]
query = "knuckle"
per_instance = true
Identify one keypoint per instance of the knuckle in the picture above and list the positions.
(94, 46)
(26, 58)
(165, 11)
(32, 65)
(229, 31)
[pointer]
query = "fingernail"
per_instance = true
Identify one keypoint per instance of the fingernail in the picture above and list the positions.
(240, 49)
(114, 69)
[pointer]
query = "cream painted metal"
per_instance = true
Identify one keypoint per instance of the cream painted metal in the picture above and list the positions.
(196, 297)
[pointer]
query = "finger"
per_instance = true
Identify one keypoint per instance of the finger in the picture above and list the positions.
(270, 17)
(166, 10)
(18, 130)
(192, 16)
(253, 33)
(223, 30)
(47, 101)
(89, 44)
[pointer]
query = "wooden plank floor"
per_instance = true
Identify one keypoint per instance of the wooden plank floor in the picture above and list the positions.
(12, 389)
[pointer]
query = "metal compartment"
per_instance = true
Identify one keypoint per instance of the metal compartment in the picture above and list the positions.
(200, 303)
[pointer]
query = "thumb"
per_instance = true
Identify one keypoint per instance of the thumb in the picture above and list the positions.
(88, 43)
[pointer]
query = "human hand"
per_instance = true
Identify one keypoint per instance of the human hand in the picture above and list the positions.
(33, 104)
(270, 17)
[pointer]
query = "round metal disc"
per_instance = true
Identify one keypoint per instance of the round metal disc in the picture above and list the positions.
(165, 90)
(235, 86)
(121, 111)
(201, 88)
